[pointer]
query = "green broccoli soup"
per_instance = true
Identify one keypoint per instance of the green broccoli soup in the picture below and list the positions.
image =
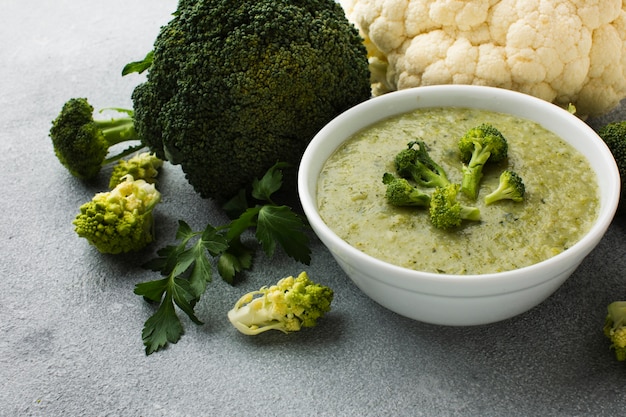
(559, 206)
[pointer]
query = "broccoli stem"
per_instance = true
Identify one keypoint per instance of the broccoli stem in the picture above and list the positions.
(471, 180)
(470, 213)
(253, 318)
(117, 131)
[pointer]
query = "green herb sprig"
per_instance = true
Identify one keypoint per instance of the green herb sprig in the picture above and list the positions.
(187, 266)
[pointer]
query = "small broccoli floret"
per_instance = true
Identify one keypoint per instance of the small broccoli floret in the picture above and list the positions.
(511, 187)
(446, 212)
(120, 220)
(289, 305)
(82, 144)
(615, 328)
(144, 166)
(233, 87)
(614, 135)
(417, 165)
(479, 145)
(401, 193)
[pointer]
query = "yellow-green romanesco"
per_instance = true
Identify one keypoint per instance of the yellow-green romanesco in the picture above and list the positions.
(120, 220)
(289, 305)
(144, 166)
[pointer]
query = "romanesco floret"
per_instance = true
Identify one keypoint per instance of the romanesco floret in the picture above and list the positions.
(615, 328)
(288, 306)
(510, 187)
(401, 193)
(417, 165)
(479, 145)
(82, 144)
(144, 166)
(446, 212)
(120, 220)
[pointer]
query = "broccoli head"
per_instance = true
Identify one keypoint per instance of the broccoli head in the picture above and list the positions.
(479, 145)
(235, 87)
(417, 165)
(615, 328)
(144, 166)
(401, 193)
(82, 144)
(289, 305)
(614, 135)
(510, 187)
(120, 220)
(446, 212)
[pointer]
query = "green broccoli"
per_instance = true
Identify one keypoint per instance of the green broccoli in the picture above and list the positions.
(614, 135)
(510, 187)
(234, 87)
(82, 144)
(479, 145)
(417, 165)
(289, 305)
(401, 193)
(120, 220)
(446, 212)
(615, 328)
(144, 166)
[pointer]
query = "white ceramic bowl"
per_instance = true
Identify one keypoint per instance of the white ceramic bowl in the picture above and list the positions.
(458, 299)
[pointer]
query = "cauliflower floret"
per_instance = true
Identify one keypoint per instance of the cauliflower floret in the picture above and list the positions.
(565, 52)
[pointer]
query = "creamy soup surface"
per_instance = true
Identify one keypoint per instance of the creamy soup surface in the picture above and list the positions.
(560, 205)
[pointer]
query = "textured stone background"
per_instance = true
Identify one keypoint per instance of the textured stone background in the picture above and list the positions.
(70, 324)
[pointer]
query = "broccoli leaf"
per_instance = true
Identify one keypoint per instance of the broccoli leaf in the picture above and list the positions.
(139, 66)
(279, 224)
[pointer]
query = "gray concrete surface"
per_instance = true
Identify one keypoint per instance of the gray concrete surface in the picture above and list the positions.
(70, 324)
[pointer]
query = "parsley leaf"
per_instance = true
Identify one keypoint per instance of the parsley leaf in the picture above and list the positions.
(187, 266)
(279, 224)
(270, 182)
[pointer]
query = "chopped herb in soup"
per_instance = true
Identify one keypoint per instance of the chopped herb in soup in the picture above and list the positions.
(560, 204)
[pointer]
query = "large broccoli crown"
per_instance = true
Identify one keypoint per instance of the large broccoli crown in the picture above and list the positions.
(236, 87)
(120, 220)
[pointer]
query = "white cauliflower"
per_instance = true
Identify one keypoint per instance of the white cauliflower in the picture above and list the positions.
(565, 52)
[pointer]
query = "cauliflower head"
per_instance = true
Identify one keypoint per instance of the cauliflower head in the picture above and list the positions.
(120, 220)
(562, 51)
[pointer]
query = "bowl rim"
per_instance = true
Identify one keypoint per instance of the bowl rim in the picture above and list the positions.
(466, 96)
